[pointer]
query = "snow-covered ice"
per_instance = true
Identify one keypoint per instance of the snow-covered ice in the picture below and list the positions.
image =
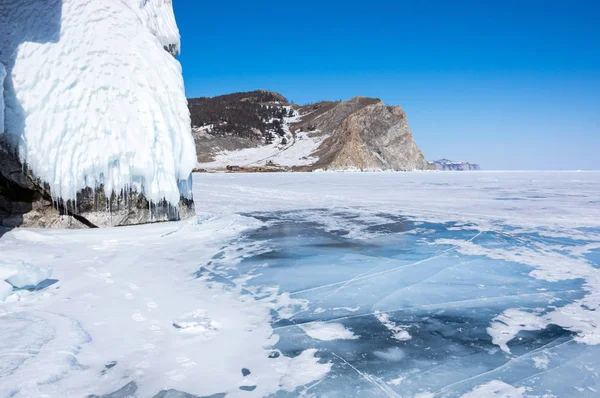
(20, 275)
(495, 389)
(130, 305)
(400, 332)
(420, 284)
(26, 275)
(92, 97)
(197, 322)
(5, 290)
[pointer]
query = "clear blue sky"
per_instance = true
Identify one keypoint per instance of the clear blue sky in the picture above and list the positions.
(512, 84)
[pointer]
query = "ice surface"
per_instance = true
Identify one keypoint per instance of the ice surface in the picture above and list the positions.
(131, 296)
(445, 290)
(458, 290)
(19, 274)
(93, 98)
(5, 290)
(28, 275)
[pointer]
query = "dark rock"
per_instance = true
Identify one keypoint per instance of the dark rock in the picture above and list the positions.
(25, 201)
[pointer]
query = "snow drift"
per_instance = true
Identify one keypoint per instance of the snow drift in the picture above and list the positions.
(93, 99)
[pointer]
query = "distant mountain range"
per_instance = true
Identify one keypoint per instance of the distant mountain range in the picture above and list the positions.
(263, 131)
(445, 164)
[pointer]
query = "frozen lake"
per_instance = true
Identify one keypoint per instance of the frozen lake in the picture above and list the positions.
(328, 285)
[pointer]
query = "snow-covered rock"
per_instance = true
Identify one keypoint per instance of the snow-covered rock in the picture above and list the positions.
(93, 100)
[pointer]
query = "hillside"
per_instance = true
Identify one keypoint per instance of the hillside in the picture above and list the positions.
(261, 129)
(236, 121)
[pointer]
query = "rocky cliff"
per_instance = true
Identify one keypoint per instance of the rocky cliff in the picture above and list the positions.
(358, 134)
(369, 136)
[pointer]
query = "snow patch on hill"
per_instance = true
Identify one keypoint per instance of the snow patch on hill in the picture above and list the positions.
(93, 98)
(294, 153)
(289, 150)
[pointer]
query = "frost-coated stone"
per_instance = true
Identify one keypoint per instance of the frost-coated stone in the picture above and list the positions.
(94, 102)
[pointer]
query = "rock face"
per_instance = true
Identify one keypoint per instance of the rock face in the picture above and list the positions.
(26, 201)
(235, 121)
(370, 136)
(449, 165)
(359, 134)
(96, 126)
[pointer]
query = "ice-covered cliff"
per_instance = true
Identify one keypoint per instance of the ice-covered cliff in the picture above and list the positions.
(2, 77)
(94, 103)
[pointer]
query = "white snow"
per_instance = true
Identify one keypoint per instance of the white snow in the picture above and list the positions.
(424, 196)
(302, 370)
(196, 321)
(541, 362)
(26, 275)
(495, 389)
(129, 295)
(328, 331)
(506, 326)
(296, 152)
(5, 290)
(399, 331)
(93, 98)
